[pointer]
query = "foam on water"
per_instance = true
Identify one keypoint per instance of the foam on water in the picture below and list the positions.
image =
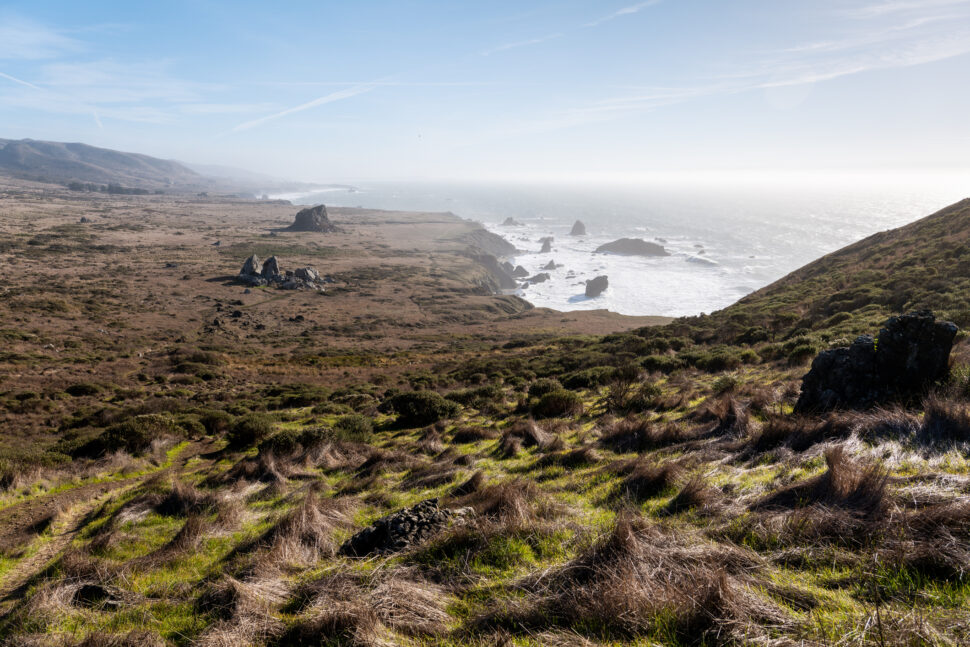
(724, 242)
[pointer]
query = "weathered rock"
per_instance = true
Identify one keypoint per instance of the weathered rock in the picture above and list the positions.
(596, 287)
(579, 229)
(398, 531)
(307, 274)
(911, 355)
(84, 220)
(520, 272)
(546, 245)
(499, 278)
(633, 247)
(312, 219)
(252, 267)
(511, 222)
(271, 269)
(539, 278)
(551, 265)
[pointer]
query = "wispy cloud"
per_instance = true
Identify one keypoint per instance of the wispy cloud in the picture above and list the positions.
(20, 81)
(340, 95)
(22, 39)
(625, 11)
(522, 43)
(899, 6)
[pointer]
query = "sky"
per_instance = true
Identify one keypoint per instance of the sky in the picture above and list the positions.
(407, 89)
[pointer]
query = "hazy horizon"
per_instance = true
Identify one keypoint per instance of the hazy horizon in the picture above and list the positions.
(614, 91)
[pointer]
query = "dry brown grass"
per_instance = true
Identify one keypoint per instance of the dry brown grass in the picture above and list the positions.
(638, 580)
(512, 502)
(647, 479)
(635, 434)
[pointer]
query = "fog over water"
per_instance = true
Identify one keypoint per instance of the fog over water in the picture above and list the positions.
(725, 240)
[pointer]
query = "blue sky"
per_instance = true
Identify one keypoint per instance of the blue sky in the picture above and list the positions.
(328, 91)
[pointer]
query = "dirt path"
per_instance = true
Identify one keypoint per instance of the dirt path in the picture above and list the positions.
(19, 521)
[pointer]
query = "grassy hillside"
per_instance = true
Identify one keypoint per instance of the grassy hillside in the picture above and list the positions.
(925, 264)
(63, 163)
(193, 483)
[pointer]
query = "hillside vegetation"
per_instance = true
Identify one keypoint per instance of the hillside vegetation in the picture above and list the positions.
(63, 163)
(649, 487)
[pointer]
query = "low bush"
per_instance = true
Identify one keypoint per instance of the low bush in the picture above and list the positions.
(419, 408)
(543, 386)
(249, 430)
(354, 427)
(558, 403)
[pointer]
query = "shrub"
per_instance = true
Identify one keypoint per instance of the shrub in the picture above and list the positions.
(662, 363)
(249, 430)
(589, 378)
(419, 408)
(558, 403)
(354, 427)
(83, 388)
(543, 386)
(134, 435)
(216, 422)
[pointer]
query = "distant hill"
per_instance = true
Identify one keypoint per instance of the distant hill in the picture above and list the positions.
(925, 264)
(63, 163)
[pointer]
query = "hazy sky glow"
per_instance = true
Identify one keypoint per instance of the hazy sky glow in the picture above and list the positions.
(328, 91)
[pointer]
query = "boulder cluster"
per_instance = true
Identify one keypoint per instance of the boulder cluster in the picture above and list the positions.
(258, 273)
(910, 355)
(400, 530)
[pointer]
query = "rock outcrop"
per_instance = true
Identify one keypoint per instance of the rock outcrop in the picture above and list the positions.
(312, 219)
(257, 273)
(910, 355)
(633, 247)
(579, 229)
(596, 287)
(539, 278)
(551, 265)
(398, 531)
(520, 272)
(488, 242)
(546, 245)
(511, 222)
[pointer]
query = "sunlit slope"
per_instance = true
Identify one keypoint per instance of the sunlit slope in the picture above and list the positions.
(925, 264)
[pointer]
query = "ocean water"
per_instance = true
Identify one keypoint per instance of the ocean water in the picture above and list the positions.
(725, 239)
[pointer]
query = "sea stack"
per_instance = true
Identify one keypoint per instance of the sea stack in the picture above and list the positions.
(579, 229)
(596, 287)
(546, 245)
(312, 219)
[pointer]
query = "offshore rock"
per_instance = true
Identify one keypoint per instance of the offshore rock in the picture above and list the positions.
(633, 247)
(579, 229)
(596, 287)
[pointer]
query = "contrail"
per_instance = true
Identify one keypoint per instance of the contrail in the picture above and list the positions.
(330, 98)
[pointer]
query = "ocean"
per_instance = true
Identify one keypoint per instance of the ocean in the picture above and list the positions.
(725, 239)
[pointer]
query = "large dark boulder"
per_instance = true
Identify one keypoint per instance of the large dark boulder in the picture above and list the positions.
(596, 287)
(910, 355)
(312, 219)
(579, 229)
(633, 247)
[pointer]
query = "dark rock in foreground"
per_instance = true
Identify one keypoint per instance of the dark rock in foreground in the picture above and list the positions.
(633, 247)
(579, 229)
(398, 531)
(312, 219)
(257, 273)
(596, 287)
(910, 356)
